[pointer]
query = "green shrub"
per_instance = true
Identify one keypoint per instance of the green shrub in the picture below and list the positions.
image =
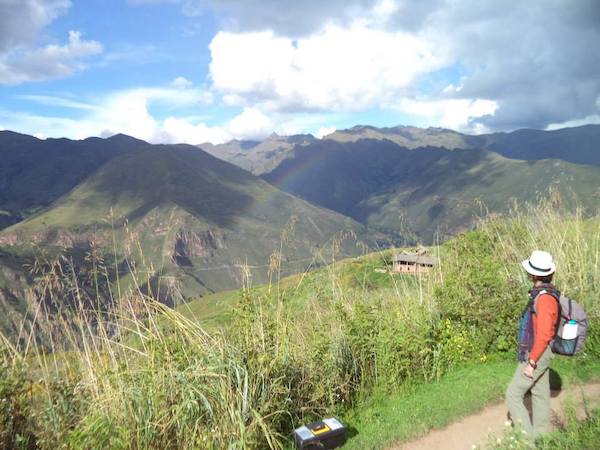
(15, 405)
(478, 296)
(574, 435)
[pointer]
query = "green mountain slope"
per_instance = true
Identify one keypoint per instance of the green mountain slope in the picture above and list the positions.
(35, 172)
(426, 192)
(196, 219)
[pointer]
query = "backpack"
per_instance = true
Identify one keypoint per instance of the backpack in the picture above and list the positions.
(571, 329)
(572, 326)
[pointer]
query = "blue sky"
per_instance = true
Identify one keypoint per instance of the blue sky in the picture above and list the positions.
(214, 70)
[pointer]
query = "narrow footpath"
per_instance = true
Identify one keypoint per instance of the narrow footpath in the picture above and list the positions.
(475, 429)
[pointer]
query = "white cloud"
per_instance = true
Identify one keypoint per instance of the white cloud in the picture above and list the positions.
(324, 131)
(48, 62)
(336, 69)
(250, 124)
(22, 20)
(130, 112)
(170, 97)
(181, 83)
(383, 11)
(535, 61)
(59, 101)
(591, 119)
(180, 130)
(456, 114)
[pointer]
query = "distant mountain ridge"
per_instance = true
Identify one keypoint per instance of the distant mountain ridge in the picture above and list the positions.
(408, 136)
(579, 145)
(258, 157)
(427, 192)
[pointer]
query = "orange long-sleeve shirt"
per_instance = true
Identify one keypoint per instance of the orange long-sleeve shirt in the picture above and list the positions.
(544, 324)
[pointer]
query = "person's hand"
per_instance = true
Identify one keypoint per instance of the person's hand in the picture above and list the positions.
(528, 372)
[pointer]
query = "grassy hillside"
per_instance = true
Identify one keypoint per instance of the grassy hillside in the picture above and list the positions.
(429, 191)
(319, 344)
(190, 222)
(361, 274)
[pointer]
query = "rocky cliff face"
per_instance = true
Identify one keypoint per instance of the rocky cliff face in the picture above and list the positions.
(190, 244)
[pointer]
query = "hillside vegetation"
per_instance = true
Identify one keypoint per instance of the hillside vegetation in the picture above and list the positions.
(33, 175)
(429, 193)
(190, 222)
(145, 376)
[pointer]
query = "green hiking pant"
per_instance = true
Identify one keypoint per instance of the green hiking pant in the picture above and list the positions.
(539, 386)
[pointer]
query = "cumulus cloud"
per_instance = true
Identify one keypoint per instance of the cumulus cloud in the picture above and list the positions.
(182, 131)
(324, 131)
(456, 114)
(591, 119)
(48, 62)
(285, 18)
(336, 69)
(293, 19)
(181, 83)
(537, 62)
(250, 124)
(22, 20)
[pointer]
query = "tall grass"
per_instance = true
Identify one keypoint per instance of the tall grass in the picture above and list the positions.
(128, 372)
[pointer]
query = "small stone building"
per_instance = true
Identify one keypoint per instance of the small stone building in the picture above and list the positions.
(412, 263)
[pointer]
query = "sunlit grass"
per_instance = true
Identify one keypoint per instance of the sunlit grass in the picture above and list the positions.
(118, 369)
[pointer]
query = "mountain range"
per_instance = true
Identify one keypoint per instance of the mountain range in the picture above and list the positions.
(430, 183)
(185, 220)
(578, 145)
(192, 217)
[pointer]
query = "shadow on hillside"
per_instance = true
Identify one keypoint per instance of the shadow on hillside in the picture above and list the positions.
(155, 176)
(370, 176)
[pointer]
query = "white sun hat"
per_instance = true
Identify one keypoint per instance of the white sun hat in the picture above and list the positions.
(540, 264)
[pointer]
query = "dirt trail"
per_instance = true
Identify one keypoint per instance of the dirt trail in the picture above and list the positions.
(476, 428)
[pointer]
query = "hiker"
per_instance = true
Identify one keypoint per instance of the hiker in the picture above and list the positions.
(537, 329)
